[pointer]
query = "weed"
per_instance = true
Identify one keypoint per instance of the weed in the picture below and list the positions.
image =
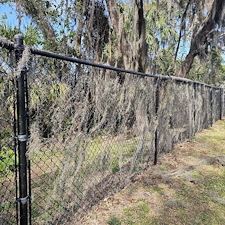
(139, 214)
(162, 168)
(114, 221)
(158, 190)
(7, 160)
(115, 165)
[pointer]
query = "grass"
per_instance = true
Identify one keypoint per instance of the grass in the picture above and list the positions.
(176, 202)
(114, 221)
(201, 199)
(100, 154)
(157, 190)
(194, 196)
(139, 214)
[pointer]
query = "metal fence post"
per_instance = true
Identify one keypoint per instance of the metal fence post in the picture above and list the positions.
(194, 115)
(211, 105)
(22, 134)
(221, 103)
(158, 83)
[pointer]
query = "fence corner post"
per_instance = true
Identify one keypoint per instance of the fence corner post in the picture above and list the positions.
(22, 132)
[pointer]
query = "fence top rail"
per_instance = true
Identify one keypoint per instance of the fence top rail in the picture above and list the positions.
(10, 46)
(103, 66)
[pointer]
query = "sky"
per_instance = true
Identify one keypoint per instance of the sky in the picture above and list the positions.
(12, 21)
(6, 9)
(9, 15)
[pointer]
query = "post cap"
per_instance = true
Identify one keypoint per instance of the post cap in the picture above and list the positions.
(18, 39)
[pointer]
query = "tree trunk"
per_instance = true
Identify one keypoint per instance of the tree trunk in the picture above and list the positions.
(134, 50)
(188, 62)
(199, 38)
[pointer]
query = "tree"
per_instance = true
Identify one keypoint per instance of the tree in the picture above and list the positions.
(137, 35)
(133, 48)
(204, 34)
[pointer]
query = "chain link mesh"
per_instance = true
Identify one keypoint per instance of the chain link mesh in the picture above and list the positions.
(92, 130)
(8, 173)
(93, 136)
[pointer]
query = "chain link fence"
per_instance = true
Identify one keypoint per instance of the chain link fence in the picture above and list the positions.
(8, 156)
(92, 129)
(94, 136)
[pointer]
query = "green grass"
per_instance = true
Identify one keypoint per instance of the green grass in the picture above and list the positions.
(157, 190)
(96, 151)
(200, 198)
(138, 215)
(183, 202)
(114, 221)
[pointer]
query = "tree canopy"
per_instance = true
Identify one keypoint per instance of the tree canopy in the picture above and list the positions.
(169, 37)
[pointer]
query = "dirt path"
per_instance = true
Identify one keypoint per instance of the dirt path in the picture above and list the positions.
(186, 187)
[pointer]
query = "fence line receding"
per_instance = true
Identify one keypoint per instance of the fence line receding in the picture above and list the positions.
(74, 132)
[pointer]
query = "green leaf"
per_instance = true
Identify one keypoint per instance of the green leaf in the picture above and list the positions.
(4, 16)
(2, 166)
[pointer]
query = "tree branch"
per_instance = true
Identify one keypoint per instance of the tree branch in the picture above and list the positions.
(181, 29)
(199, 38)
